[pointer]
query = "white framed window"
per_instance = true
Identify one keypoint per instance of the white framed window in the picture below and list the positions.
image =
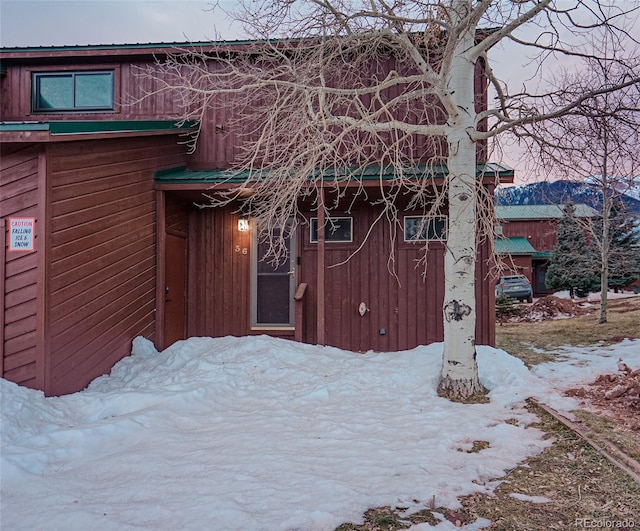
(335, 230)
(424, 228)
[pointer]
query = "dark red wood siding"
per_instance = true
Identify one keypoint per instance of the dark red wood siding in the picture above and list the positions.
(541, 233)
(403, 298)
(101, 279)
(20, 169)
(128, 91)
(219, 274)
(221, 132)
(519, 264)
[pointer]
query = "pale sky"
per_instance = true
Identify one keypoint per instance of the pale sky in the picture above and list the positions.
(25, 23)
(69, 22)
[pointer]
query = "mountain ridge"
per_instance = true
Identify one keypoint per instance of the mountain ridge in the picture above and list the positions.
(558, 192)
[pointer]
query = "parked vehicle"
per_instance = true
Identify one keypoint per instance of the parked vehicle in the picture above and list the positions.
(515, 287)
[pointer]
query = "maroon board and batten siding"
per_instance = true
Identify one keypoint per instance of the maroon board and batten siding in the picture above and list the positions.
(402, 302)
(221, 135)
(403, 307)
(541, 233)
(129, 89)
(21, 189)
(403, 299)
(219, 275)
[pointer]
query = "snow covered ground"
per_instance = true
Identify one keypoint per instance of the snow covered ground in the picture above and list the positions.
(258, 433)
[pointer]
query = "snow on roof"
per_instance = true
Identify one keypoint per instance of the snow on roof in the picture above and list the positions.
(524, 212)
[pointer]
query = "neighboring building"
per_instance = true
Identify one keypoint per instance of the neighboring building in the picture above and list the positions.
(112, 247)
(526, 236)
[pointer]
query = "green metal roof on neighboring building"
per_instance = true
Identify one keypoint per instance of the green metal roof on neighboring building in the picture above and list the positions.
(524, 212)
(514, 245)
(184, 176)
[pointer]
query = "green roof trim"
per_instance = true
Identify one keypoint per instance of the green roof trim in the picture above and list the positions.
(71, 127)
(182, 175)
(23, 126)
(514, 245)
(542, 254)
(75, 127)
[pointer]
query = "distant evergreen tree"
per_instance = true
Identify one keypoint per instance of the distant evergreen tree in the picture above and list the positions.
(572, 262)
(624, 245)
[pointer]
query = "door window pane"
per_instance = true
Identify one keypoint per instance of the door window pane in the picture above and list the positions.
(273, 299)
(273, 284)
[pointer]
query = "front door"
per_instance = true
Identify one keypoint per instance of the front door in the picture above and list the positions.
(175, 291)
(273, 285)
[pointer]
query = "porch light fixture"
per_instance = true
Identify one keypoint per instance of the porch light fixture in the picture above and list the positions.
(243, 224)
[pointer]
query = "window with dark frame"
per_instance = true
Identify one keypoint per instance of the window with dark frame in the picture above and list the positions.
(335, 230)
(79, 91)
(423, 228)
(272, 284)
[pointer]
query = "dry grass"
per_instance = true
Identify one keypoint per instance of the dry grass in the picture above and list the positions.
(577, 481)
(610, 431)
(529, 341)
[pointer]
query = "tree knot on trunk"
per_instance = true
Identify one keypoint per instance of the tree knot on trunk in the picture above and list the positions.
(456, 311)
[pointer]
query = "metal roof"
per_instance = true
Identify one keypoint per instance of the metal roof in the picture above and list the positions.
(514, 245)
(127, 46)
(184, 176)
(166, 45)
(524, 212)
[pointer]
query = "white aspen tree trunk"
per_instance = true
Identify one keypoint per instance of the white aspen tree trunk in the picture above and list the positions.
(459, 377)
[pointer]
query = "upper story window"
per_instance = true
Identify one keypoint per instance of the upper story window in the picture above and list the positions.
(72, 91)
(335, 230)
(422, 228)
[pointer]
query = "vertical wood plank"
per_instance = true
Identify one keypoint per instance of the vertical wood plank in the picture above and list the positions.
(3, 296)
(43, 348)
(320, 285)
(160, 278)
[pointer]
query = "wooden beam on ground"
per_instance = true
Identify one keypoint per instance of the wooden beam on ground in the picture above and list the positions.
(621, 461)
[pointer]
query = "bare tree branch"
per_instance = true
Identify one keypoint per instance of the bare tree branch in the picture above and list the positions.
(333, 93)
